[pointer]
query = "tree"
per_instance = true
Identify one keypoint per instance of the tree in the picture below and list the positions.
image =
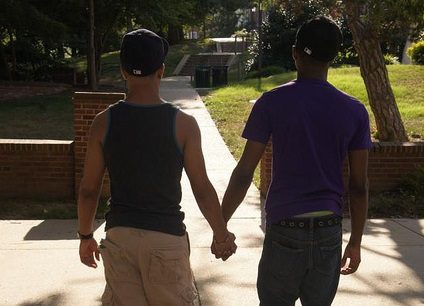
(27, 36)
(91, 57)
(375, 75)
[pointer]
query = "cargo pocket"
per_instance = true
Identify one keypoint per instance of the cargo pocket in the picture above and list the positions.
(189, 295)
(114, 261)
(107, 297)
(168, 267)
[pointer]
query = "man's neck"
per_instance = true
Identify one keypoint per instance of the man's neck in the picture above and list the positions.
(317, 75)
(146, 94)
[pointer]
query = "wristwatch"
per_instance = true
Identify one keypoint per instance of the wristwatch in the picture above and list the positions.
(85, 237)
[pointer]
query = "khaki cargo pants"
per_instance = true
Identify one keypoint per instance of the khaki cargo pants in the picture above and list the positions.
(146, 268)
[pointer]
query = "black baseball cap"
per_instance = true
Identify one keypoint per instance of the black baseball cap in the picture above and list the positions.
(320, 38)
(142, 52)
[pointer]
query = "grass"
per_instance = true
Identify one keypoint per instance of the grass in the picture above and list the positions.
(51, 116)
(42, 209)
(230, 109)
(38, 117)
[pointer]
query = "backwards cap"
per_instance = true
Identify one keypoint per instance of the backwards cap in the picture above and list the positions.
(142, 52)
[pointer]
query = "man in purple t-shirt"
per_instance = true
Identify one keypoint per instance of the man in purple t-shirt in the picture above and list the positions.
(313, 127)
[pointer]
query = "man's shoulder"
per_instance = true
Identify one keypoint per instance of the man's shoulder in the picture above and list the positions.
(278, 93)
(350, 101)
(185, 121)
(285, 88)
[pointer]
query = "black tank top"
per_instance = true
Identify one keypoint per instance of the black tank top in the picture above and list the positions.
(145, 165)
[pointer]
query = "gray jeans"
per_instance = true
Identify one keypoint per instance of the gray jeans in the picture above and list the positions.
(299, 263)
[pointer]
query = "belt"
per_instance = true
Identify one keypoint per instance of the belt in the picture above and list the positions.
(318, 222)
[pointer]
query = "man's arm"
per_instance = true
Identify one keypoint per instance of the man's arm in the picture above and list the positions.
(91, 183)
(189, 134)
(241, 178)
(358, 195)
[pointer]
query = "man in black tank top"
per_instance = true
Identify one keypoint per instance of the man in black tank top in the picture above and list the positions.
(144, 143)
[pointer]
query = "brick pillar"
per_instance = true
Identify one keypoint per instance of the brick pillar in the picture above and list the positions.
(86, 106)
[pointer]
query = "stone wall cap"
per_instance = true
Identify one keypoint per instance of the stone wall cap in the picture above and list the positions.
(97, 95)
(35, 141)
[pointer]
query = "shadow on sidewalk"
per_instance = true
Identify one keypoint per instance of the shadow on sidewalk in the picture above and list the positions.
(57, 230)
(407, 250)
(51, 300)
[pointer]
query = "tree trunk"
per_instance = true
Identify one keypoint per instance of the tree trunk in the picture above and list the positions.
(375, 75)
(4, 66)
(14, 60)
(174, 34)
(91, 63)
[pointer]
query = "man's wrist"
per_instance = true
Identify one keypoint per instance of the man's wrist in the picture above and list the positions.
(84, 236)
(221, 237)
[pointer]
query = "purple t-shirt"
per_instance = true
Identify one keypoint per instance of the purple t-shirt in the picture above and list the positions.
(313, 125)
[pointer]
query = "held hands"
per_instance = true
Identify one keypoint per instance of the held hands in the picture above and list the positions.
(88, 251)
(225, 248)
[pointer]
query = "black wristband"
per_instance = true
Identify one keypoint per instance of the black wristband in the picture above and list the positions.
(85, 237)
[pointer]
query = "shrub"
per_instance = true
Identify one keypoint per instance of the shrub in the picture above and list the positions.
(406, 200)
(391, 59)
(416, 53)
(346, 57)
(265, 72)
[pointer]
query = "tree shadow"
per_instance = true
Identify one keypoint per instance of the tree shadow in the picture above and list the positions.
(405, 250)
(56, 299)
(57, 230)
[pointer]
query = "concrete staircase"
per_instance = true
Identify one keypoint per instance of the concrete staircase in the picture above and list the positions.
(188, 63)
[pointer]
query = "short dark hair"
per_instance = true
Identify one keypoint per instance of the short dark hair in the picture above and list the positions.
(319, 38)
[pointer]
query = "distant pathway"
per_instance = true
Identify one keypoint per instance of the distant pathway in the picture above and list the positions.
(230, 283)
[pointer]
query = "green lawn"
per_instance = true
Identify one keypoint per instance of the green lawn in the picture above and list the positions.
(38, 117)
(229, 106)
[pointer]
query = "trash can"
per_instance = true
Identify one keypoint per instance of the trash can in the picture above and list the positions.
(219, 75)
(202, 76)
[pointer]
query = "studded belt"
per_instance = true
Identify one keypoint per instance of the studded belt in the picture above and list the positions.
(318, 222)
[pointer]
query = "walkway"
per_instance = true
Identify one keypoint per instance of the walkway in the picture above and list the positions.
(39, 261)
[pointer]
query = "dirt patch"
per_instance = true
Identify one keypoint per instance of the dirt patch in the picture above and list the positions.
(16, 90)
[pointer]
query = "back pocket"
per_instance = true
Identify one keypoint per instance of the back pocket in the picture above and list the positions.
(286, 261)
(168, 266)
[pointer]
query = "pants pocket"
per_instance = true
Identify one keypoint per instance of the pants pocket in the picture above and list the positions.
(171, 277)
(286, 261)
(168, 266)
(114, 261)
(329, 259)
(107, 297)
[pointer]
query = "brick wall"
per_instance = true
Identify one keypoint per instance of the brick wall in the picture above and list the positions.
(388, 164)
(36, 169)
(86, 106)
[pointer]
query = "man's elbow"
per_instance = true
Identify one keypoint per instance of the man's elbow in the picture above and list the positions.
(359, 188)
(88, 193)
(242, 176)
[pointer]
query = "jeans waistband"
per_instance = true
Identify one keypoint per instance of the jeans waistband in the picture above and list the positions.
(317, 222)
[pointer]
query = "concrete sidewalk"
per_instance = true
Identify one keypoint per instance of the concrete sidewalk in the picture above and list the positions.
(39, 261)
